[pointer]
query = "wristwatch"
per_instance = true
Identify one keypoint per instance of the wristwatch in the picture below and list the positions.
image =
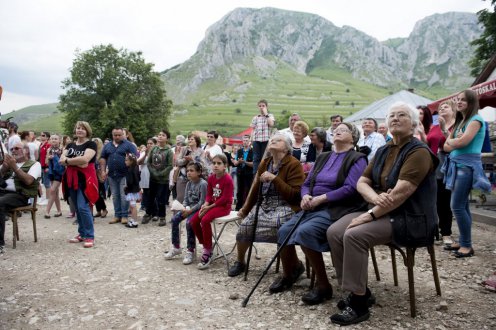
(371, 212)
(66, 161)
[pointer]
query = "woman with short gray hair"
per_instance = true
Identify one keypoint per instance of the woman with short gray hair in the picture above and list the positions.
(279, 178)
(399, 183)
(329, 192)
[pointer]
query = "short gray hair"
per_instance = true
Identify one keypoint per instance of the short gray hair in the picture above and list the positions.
(287, 143)
(414, 115)
(320, 133)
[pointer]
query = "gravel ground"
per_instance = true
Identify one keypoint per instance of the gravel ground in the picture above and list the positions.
(125, 283)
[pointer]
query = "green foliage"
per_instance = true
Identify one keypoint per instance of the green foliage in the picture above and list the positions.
(486, 44)
(114, 88)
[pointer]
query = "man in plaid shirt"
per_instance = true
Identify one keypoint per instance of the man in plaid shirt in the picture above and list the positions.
(261, 125)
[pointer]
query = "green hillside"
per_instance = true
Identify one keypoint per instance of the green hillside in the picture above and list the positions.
(44, 117)
(316, 96)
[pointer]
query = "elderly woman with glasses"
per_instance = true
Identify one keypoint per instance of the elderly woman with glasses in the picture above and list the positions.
(279, 177)
(328, 193)
(400, 186)
(318, 138)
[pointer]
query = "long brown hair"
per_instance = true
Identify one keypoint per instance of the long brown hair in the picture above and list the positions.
(472, 110)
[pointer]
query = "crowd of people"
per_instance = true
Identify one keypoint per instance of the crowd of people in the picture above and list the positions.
(335, 189)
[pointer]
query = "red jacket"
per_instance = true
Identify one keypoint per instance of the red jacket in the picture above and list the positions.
(72, 181)
(43, 152)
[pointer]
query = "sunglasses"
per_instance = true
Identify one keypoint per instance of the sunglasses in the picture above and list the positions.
(15, 149)
(43, 135)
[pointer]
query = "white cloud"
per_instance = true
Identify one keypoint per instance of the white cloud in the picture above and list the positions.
(39, 37)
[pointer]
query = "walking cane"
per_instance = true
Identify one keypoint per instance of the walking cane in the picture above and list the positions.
(255, 224)
(286, 239)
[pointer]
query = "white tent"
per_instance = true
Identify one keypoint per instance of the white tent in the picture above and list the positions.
(378, 109)
(488, 114)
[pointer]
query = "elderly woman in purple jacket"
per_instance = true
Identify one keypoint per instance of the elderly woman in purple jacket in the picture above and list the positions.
(329, 192)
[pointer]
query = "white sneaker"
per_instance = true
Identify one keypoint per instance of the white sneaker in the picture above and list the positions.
(205, 261)
(172, 253)
(447, 240)
(188, 258)
(42, 201)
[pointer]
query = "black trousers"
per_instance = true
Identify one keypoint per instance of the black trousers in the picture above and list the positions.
(244, 184)
(9, 200)
(444, 208)
(100, 203)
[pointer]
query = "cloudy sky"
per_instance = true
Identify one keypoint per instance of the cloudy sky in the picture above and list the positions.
(38, 38)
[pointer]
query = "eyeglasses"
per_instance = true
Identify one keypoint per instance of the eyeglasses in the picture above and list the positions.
(15, 149)
(342, 130)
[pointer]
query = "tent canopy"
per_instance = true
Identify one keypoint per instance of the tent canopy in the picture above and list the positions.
(378, 109)
(238, 138)
(486, 92)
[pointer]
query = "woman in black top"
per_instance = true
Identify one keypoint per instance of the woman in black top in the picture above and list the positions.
(80, 180)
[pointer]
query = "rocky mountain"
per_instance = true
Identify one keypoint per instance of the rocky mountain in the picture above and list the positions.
(260, 42)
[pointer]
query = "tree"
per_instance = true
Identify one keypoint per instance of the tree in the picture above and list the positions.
(486, 44)
(114, 88)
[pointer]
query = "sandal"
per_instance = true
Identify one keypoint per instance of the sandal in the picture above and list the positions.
(104, 213)
(56, 215)
(490, 283)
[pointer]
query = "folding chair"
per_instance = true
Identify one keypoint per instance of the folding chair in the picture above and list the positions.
(223, 221)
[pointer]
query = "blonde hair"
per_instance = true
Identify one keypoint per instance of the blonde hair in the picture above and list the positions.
(86, 126)
(99, 146)
(303, 126)
(451, 104)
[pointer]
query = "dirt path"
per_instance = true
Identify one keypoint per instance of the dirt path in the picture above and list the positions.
(125, 283)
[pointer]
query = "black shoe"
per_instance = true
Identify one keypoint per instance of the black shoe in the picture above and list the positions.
(346, 301)
(162, 222)
(451, 247)
(146, 219)
(459, 254)
(282, 283)
(236, 269)
(349, 316)
(316, 296)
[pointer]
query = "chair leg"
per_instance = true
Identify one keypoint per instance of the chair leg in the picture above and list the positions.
(434, 269)
(393, 263)
(33, 217)
(308, 267)
(14, 230)
(410, 256)
(374, 262)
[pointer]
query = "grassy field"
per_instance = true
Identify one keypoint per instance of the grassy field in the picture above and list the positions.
(315, 96)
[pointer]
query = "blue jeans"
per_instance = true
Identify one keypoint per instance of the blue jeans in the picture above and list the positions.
(460, 205)
(121, 206)
(83, 214)
(45, 180)
(190, 234)
(258, 152)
